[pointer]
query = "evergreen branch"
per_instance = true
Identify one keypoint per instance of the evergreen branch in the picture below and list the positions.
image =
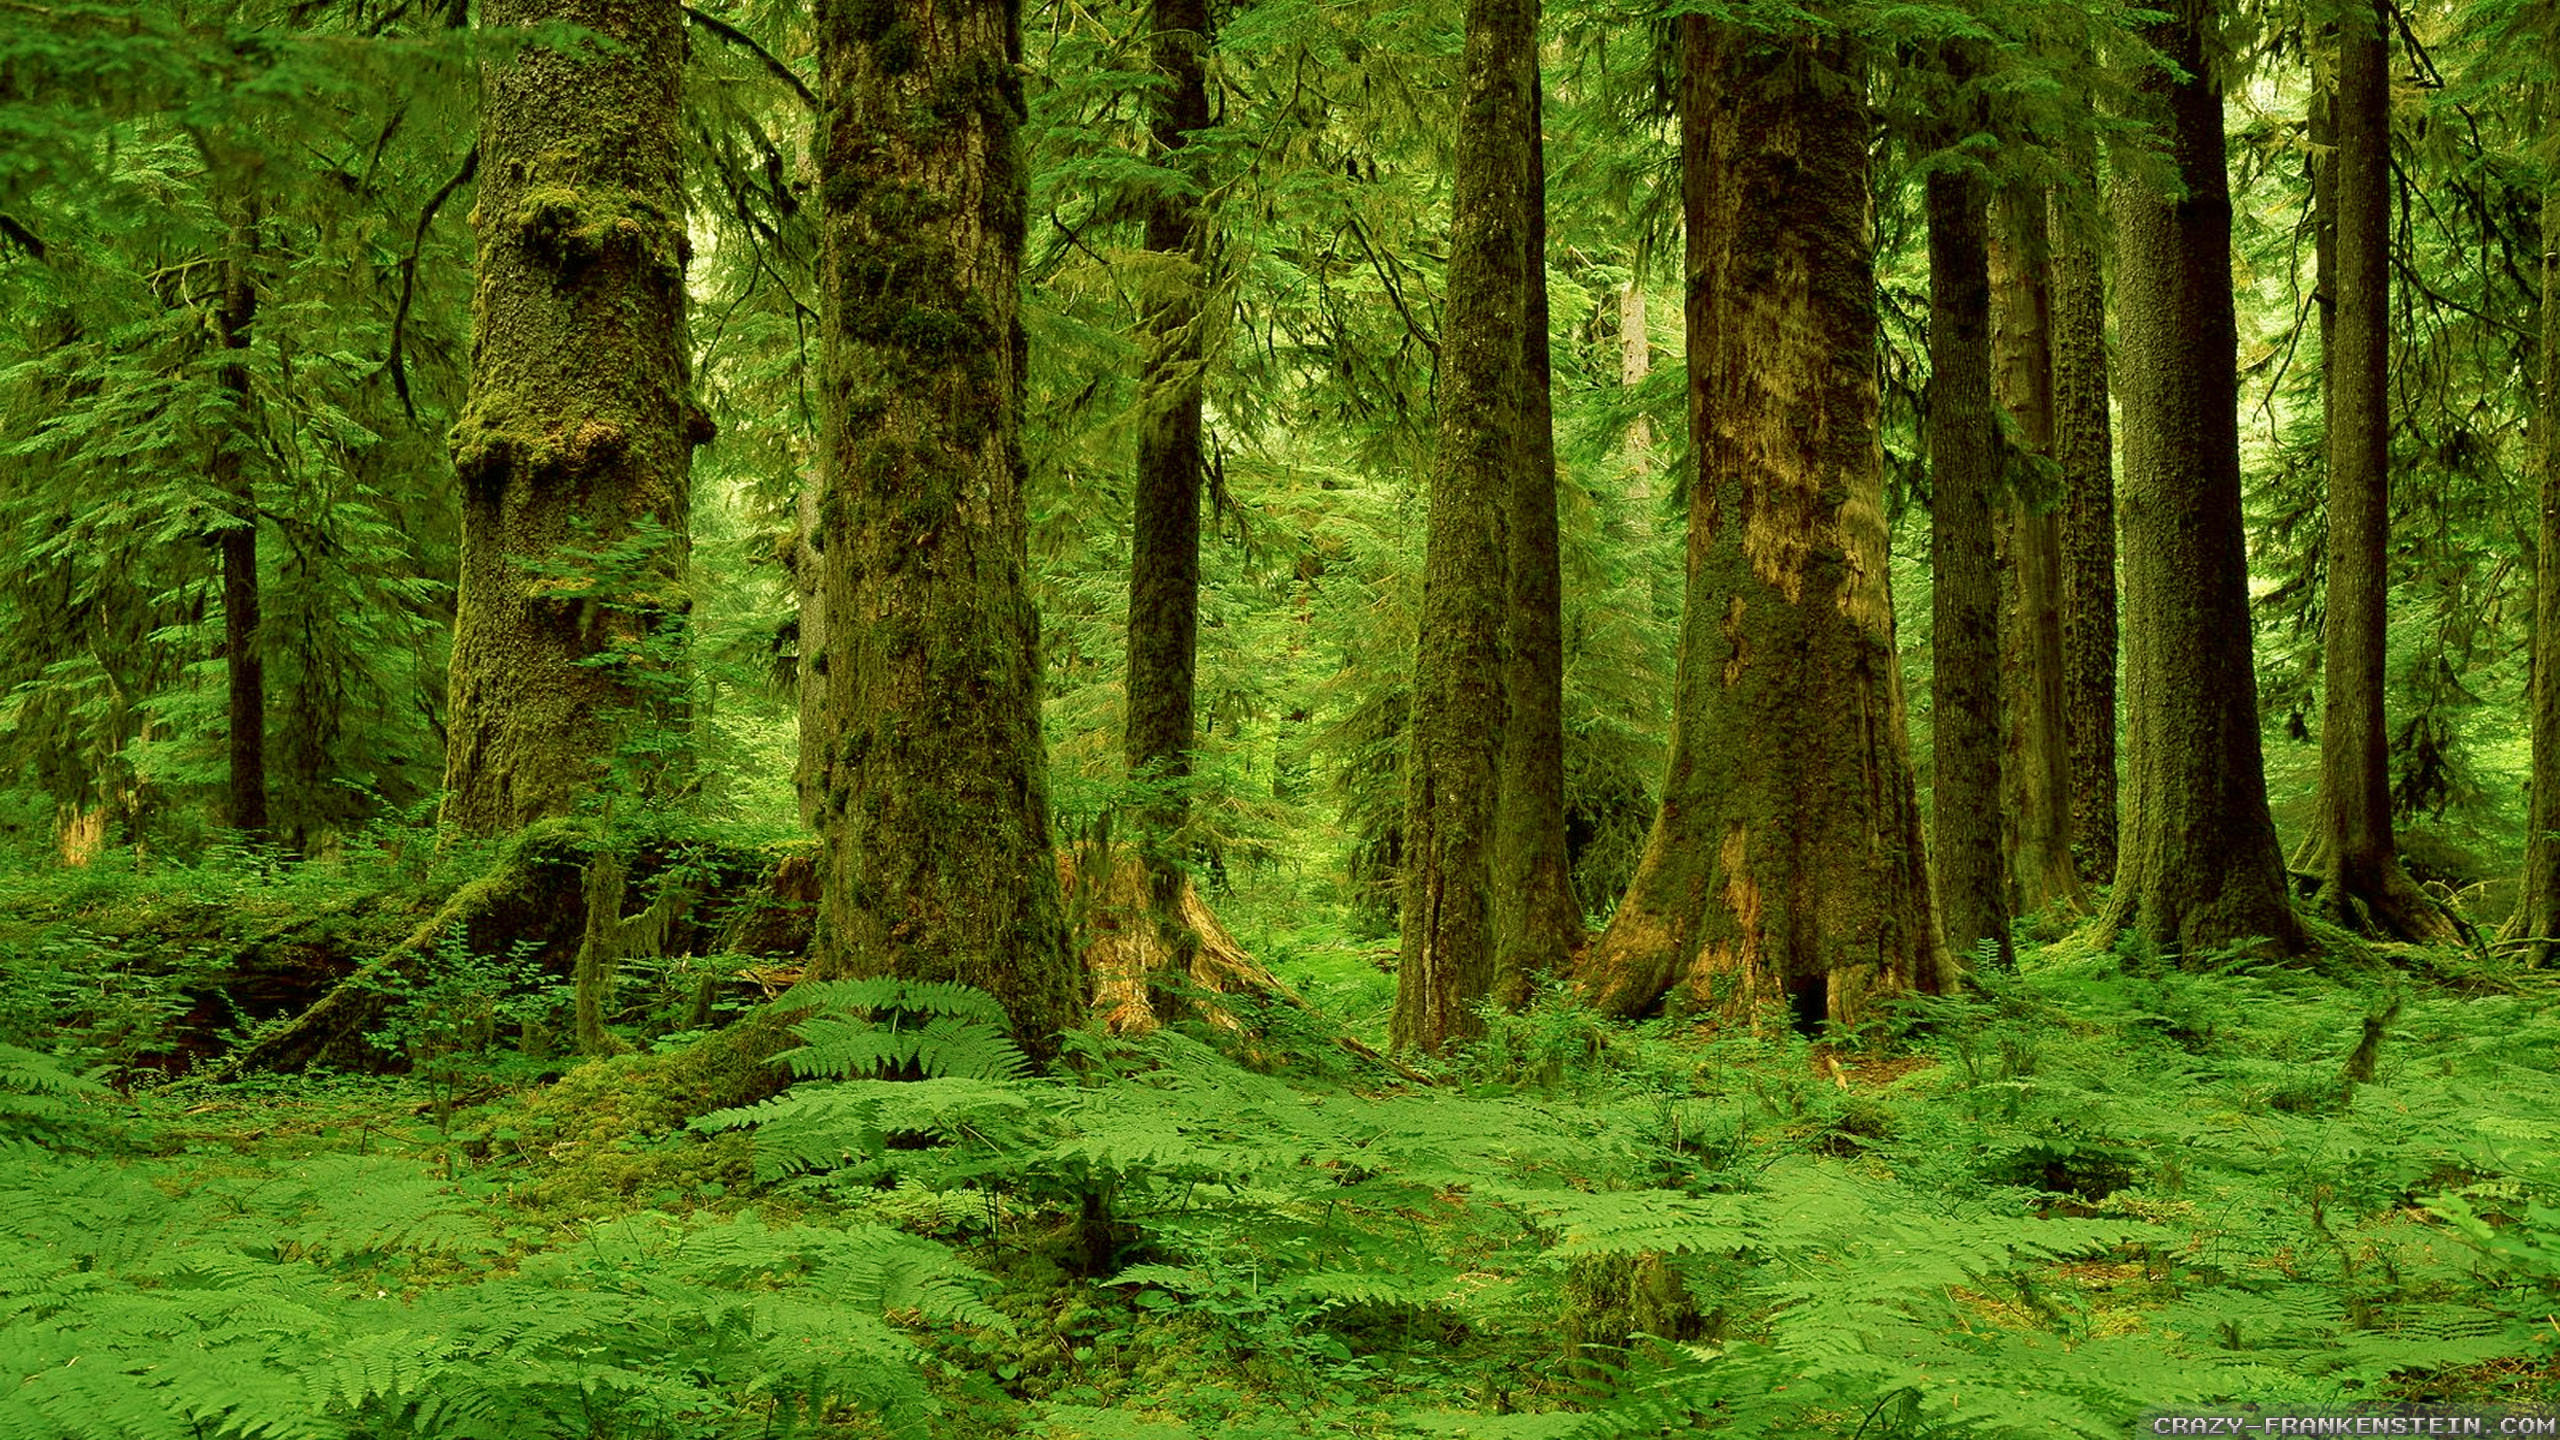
(735, 36)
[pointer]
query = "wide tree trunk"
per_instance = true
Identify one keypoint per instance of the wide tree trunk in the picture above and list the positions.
(937, 857)
(2084, 448)
(1785, 859)
(574, 446)
(1537, 919)
(2537, 916)
(1970, 861)
(805, 562)
(1461, 715)
(2198, 868)
(244, 653)
(2358, 860)
(2035, 772)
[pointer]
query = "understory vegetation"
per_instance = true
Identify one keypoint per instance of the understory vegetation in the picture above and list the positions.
(2096, 1185)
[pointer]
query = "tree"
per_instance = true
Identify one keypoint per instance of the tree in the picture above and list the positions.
(2084, 451)
(574, 447)
(1785, 858)
(2197, 866)
(2537, 917)
(243, 656)
(935, 818)
(1537, 918)
(2356, 856)
(1461, 714)
(2035, 771)
(1969, 853)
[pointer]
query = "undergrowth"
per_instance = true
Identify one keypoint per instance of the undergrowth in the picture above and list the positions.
(2086, 1189)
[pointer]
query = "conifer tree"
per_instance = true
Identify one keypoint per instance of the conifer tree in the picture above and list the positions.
(1785, 859)
(2084, 452)
(2197, 866)
(2356, 856)
(2537, 917)
(935, 819)
(1461, 713)
(574, 449)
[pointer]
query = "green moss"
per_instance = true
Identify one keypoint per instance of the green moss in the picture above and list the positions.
(574, 227)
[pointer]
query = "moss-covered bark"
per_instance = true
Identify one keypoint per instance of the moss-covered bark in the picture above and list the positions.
(2537, 918)
(1968, 853)
(1536, 918)
(1786, 855)
(1460, 710)
(243, 650)
(935, 819)
(2198, 868)
(2035, 755)
(579, 429)
(2084, 449)
(2356, 855)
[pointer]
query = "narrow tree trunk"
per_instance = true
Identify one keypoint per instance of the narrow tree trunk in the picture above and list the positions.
(1970, 860)
(1537, 919)
(1785, 859)
(2035, 771)
(579, 429)
(937, 857)
(1461, 716)
(806, 563)
(2361, 882)
(1635, 363)
(2084, 448)
(243, 651)
(2198, 869)
(2537, 916)
(1164, 560)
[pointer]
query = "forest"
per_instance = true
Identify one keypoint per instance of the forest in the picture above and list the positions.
(1233, 719)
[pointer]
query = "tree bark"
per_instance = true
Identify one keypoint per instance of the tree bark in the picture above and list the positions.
(2537, 917)
(2198, 868)
(2084, 448)
(805, 561)
(2036, 755)
(243, 651)
(1461, 714)
(1785, 860)
(573, 448)
(937, 861)
(1966, 844)
(1537, 919)
(2361, 881)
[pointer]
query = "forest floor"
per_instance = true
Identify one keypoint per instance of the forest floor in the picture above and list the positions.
(2093, 1187)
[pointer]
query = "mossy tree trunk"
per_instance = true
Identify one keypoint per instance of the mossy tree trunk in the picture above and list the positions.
(1966, 845)
(1164, 548)
(1786, 855)
(2357, 857)
(2537, 917)
(2035, 772)
(1461, 714)
(2084, 450)
(1537, 918)
(937, 857)
(243, 649)
(2198, 868)
(804, 560)
(574, 446)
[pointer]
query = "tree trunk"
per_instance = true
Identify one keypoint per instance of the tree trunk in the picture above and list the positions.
(2036, 756)
(1164, 550)
(805, 561)
(1970, 860)
(937, 857)
(243, 651)
(2084, 448)
(1785, 858)
(2537, 916)
(1537, 919)
(574, 446)
(2198, 868)
(2361, 882)
(1635, 363)
(1461, 716)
